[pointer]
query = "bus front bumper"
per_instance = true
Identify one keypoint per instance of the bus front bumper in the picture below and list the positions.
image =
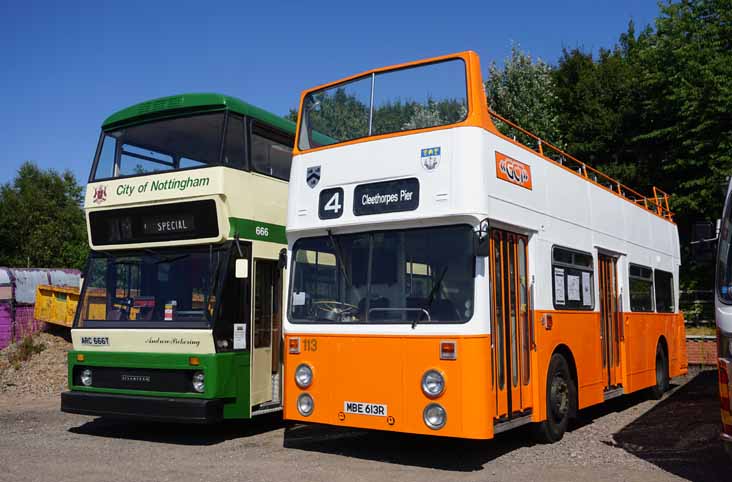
(158, 409)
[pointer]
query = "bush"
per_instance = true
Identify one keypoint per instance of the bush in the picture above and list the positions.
(24, 350)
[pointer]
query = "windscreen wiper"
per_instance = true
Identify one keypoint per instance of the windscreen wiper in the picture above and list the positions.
(339, 257)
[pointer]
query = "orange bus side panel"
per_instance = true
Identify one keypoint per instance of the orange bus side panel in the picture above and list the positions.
(642, 332)
(580, 332)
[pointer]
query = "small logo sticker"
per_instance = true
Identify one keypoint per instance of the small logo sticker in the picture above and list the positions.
(100, 194)
(312, 176)
(430, 157)
(513, 171)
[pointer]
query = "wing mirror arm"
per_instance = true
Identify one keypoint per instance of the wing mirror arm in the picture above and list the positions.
(481, 239)
(282, 260)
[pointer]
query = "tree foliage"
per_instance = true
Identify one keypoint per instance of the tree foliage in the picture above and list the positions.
(656, 110)
(523, 91)
(41, 220)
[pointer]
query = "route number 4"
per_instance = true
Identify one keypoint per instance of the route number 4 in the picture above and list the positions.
(331, 203)
(334, 204)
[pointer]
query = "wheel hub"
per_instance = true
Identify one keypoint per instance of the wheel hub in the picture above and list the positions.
(559, 397)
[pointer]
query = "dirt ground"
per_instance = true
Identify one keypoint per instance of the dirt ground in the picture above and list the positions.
(631, 438)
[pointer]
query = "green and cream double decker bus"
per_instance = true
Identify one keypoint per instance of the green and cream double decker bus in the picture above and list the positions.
(179, 318)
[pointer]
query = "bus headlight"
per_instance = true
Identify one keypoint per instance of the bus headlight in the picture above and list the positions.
(86, 377)
(303, 375)
(198, 380)
(433, 383)
(305, 404)
(434, 416)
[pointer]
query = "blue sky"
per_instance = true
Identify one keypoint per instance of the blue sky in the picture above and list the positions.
(68, 65)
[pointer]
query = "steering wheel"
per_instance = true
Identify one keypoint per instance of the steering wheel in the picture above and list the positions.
(333, 310)
(124, 304)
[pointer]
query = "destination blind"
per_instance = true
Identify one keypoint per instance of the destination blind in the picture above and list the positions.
(163, 222)
(386, 197)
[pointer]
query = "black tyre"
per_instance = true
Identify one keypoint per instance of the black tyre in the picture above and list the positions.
(662, 379)
(561, 396)
(728, 448)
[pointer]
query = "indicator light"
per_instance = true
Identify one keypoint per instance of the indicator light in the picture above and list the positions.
(448, 350)
(294, 346)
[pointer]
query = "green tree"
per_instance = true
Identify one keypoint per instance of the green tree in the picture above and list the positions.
(41, 220)
(600, 109)
(523, 91)
(687, 66)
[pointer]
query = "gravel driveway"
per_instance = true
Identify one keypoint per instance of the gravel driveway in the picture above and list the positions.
(630, 438)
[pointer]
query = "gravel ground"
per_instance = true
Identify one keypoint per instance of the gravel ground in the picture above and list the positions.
(630, 438)
(43, 375)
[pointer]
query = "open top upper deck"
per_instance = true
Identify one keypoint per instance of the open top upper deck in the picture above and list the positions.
(426, 96)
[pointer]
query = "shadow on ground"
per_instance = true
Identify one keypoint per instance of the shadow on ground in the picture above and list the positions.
(681, 433)
(432, 452)
(179, 434)
(405, 449)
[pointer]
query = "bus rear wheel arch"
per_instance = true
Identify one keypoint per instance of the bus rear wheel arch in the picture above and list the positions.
(561, 397)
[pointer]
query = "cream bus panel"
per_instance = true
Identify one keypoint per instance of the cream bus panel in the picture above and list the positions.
(248, 203)
(195, 342)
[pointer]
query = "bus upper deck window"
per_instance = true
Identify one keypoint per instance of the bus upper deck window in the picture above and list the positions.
(271, 153)
(403, 99)
(105, 163)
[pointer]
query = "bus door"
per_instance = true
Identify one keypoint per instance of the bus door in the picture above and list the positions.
(267, 315)
(510, 320)
(609, 320)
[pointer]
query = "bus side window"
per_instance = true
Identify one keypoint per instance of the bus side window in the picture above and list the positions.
(641, 288)
(664, 284)
(271, 153)
(234, 142)
(572, 279)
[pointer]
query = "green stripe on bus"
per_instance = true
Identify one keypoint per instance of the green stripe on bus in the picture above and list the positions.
(227, 375)
(257, 230)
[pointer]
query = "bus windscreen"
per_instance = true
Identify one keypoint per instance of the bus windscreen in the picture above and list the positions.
(411, 98)
(160, 146)
(423, 275)
(149, 289)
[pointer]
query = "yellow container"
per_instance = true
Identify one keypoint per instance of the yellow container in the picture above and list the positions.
(56, 304)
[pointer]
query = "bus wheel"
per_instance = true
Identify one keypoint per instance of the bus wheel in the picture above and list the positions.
(560, 396)
(662, 382)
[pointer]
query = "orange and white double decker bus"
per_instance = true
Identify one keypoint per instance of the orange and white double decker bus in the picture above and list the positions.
(447, 279)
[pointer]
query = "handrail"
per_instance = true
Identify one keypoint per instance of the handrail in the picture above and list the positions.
(658, 204)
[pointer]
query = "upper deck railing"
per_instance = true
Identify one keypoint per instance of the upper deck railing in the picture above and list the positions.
(658, 204)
